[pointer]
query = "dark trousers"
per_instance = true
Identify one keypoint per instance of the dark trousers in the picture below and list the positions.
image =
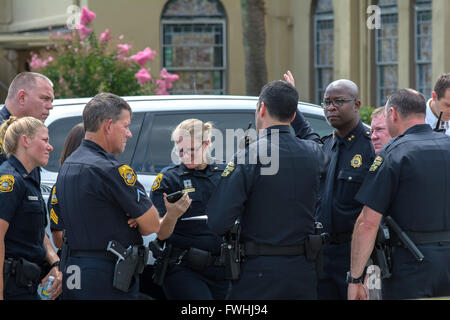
(95, 279)
(276, 278)
(336, 263)
(13, 292)
(412, 280)
(183, 283)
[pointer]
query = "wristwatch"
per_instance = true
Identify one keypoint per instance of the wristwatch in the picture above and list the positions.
(55, 264)
(350, 279)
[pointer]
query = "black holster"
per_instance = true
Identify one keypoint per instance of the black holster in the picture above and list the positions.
(381, 254)
(126, 269)
(162, 259)
(198, 259)
(231, 253)
(27, 273)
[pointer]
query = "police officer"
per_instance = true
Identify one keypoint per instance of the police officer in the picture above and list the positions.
(408, 181)
(351, 154)
(98, 199)
(198, 273)
(30, 94)
(72, 142)
(275, 200)
(22, 214)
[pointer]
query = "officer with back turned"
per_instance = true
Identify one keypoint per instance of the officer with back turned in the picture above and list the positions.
(351, 154)
(408, 186)
(100, 202)
(275, 201)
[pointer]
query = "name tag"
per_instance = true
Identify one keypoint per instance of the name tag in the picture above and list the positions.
(33, 198)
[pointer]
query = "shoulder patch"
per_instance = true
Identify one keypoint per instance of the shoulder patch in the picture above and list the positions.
(128, 175)
(6, 183)
(229, 169)
(157, 182)
(54, 198)
(376, 164)
(53, 216)
(356, 161)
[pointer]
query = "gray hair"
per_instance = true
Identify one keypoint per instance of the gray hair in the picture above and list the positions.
(25, 80)
(103, 106)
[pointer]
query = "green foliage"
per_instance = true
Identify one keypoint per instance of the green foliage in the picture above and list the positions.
(365, 114)
(85, 67)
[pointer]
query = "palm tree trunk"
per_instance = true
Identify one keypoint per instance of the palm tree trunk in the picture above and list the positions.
(253, 15)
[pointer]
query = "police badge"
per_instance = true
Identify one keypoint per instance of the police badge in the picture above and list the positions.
(356, 161)
(6, 183)
(128, 175)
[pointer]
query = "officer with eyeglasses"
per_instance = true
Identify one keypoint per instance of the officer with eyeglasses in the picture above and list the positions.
(351, 155)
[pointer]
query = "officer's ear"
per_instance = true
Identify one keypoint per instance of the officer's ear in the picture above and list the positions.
(107, 126)
(21, 96)
(262, 110)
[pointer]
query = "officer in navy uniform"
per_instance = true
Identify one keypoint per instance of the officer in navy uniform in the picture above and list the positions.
(351, 154)
(199, 273)
(408, 181)
(30, 94)
(23, 251)
(99, 200)
(275, 200)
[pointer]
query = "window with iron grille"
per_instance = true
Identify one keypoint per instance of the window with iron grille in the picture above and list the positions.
(386, 46)
(323, 47)
(194, 45)
(423, 46)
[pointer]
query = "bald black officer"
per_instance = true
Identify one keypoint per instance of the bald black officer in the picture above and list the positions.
(98, 198)
(408, 181)
(275, 201)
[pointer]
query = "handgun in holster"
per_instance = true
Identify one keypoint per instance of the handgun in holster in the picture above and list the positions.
(162, 258)
(314, 245)
(129, 262)
(381, 254)
(231, 253)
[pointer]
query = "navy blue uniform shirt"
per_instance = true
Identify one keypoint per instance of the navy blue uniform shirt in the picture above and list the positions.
(275, 209)
(350, 160)
(410, 181)
(23, 207)
(199, 184)
(36, 173)
(95, 197)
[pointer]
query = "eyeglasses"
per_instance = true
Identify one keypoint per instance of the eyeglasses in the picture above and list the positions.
(189, 151)
(337, 102)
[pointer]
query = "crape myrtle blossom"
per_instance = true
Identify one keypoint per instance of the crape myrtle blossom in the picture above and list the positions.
(87, 16)
(142, 57)
(143, 76)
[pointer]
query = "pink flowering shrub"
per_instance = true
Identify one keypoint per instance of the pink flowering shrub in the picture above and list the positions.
(81, 65)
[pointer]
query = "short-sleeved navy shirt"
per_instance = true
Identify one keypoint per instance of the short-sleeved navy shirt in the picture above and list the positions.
(23, 207)
(410, 181)
(56, 223)
(36, 173)
(96, 195)
(199, 184)
(338, 190)
(274, 198)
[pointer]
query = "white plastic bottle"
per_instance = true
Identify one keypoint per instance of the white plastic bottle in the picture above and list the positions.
(44, 293)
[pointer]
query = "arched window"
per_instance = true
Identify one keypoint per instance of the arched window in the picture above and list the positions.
(423, 45)
(323, 47)
(387, 51)
(194, 45)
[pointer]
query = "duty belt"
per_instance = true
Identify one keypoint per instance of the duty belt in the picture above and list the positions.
(98, 254)
(259, 249)
(425, 238)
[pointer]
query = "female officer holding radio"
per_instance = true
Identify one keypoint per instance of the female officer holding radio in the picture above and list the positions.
(195, 271)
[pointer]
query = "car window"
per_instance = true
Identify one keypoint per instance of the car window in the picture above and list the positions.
(153, 152)
(319, 124)
(59, 129)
